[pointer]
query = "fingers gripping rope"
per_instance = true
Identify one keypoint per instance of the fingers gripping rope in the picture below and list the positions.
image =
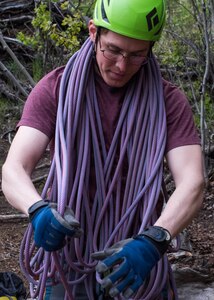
(140, 135)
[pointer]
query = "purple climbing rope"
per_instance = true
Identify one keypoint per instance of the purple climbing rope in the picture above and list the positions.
(119, 209)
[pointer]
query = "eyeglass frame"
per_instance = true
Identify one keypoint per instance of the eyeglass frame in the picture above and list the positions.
(121, 56)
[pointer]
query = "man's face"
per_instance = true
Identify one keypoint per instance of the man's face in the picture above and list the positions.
(118, 73)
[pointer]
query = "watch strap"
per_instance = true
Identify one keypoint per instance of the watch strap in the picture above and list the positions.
(159, 236)
(37, 205)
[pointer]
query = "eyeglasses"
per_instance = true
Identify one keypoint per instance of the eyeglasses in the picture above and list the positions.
(115, 55)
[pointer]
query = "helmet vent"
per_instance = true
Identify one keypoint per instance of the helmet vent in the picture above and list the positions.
(152, 19)
(103, 12)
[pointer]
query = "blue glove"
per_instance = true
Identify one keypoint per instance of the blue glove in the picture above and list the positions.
(127, 263)
(50, 228)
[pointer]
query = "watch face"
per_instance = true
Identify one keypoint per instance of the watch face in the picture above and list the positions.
(164, 234)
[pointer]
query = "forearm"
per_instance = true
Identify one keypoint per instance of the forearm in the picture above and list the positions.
(26, 150)
(18, 188)
(182, 206)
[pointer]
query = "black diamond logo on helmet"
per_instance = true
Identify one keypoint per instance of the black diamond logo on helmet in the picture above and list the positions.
(152, 19)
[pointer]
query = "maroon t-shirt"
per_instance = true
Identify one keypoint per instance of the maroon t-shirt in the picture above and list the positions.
(41, 108)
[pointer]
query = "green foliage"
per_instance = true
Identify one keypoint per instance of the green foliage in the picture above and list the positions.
(181, 37)
(8, 111)
(3, 106)
(13, 67)
(52, 36)
(69, 37)
(209, 111)
(37, 68)
(182, 53)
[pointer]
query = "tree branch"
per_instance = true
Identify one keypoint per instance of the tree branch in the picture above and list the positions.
(13, 79)
(15, 59)
(203, 87)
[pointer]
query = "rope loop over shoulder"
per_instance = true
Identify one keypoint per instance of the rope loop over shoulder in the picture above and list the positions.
(119, 209)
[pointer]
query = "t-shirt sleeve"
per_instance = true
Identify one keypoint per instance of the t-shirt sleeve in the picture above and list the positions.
(40, 108)
(181, 130)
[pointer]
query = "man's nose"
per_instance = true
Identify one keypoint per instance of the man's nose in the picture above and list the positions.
(122, 63)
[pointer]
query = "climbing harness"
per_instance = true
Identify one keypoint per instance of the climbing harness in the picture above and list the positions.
(121, 207)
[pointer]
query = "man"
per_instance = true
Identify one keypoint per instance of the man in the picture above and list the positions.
(113, 119)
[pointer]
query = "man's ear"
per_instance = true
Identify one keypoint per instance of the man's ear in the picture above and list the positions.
(92, 30)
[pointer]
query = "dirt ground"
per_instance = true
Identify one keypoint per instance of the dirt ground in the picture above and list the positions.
(200, 233)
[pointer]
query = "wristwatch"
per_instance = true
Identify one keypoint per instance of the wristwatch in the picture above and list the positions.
(159, 236)
(33, 208)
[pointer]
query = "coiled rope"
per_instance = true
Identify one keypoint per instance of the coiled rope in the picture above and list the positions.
(122, 205)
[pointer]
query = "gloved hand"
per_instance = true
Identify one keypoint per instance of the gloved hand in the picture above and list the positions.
(50, 228)
(127, 263)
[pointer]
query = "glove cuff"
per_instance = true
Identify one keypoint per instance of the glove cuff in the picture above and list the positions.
(159, 236)
(34, 208)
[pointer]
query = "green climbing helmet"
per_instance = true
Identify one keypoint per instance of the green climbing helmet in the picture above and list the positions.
(139, 19)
